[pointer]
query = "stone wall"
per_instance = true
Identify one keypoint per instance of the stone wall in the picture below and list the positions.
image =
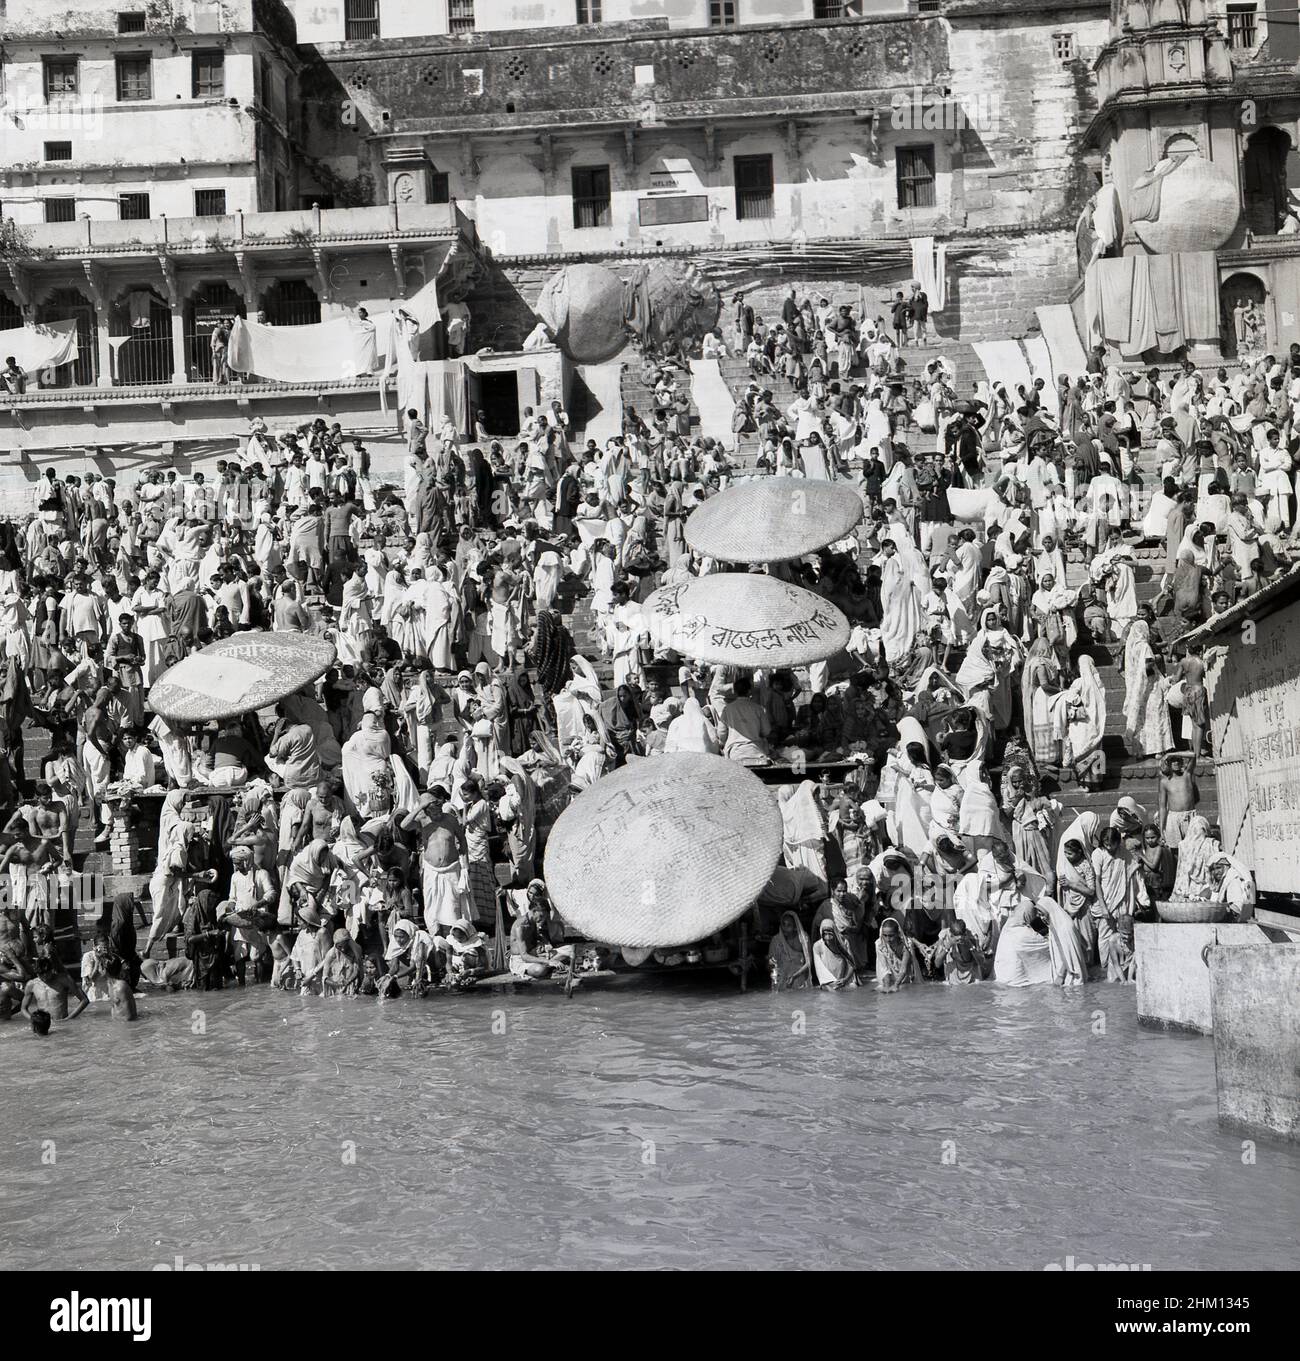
(1256, 1000)
(993, 287)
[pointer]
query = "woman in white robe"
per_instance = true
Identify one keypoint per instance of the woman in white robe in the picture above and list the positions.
(900, 608)
(1121, 597)
(439, 618)
(1086, 725)
(367, 756)
(804, 829)
(1148, 730)
(1023, 957)
(691, 730)
(546, 579)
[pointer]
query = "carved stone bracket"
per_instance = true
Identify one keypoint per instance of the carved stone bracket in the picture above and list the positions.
(247, 267)
(399, 269)
(710, 147)
(324, 290)
(548, 153)
(21, 280)
(98, 282)
(171, 287)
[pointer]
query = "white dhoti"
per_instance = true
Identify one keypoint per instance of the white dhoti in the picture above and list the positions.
(98, 770)
(445, 903)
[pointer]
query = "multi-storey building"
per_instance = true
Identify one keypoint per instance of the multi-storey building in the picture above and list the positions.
(164, 167)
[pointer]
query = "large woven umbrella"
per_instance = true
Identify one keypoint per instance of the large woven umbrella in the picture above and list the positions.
(773, 519)
(664, 851)
(745, 619)
(239, 675)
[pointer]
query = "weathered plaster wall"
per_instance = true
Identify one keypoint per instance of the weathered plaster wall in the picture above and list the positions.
(322, 21)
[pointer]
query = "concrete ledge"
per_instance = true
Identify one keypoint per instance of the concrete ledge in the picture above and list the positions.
(1256, 1001)
(1173, 983)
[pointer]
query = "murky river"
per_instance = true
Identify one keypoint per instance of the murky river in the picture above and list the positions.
(656, 1125)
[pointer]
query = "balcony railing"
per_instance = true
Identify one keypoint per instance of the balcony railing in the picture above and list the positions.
(207, 234)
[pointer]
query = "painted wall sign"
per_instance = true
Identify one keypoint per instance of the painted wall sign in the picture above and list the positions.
(1268, 706)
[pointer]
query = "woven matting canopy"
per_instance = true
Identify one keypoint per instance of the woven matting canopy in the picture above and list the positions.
(773, 519)
(664, 851)
(239, 675)
(745, 619)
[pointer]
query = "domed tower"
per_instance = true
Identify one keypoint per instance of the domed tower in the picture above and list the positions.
(1195, 135)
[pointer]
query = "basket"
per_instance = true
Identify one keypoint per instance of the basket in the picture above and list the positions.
(1188, 912)
(239, 675)
(663, 852)
(744, 619)
(774, 519)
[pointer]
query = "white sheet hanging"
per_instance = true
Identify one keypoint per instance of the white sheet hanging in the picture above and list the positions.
(329, 351)
(36, 348)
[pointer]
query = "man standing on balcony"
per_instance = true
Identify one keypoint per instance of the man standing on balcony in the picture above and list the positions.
(218, 341)
(12, 378)
(457, 315)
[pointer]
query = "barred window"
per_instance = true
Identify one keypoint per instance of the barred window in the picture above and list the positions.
(60, 210)
(1063, 46)
(134, 78)
(591, 198)
(361, 19)
(915, 171)
(722, 13)
(209, 74)
(754, 188)
(133, 207)
(209, 202)
(60, 77)
(589, 11)
(460, 16)
(58, 151)
(1241, 27)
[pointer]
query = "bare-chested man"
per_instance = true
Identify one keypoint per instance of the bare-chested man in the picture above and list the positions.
(119, 991)
(444, 863)
(45, 821)
(50, 989)
(1177, 798)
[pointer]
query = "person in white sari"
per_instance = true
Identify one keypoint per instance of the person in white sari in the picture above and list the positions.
(580, 696)
(1148, 730)
(900, 605)
(691, 730)
(546, 579)
(440, 607)
(1120, 588)
(804, 824)
(1023, 957)
(1086, 725)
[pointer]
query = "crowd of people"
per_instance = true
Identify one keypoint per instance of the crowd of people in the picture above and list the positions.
(381, 831)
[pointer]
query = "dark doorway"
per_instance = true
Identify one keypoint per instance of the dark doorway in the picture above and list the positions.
(499, 399)
(1243, 316)
(1264, 180)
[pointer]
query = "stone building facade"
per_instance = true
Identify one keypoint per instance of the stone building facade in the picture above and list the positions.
(181, 160)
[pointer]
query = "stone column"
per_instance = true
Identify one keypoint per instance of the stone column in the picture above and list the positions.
(105, 379)
(179, 374)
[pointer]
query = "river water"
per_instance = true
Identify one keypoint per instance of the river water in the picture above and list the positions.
(660, 1124)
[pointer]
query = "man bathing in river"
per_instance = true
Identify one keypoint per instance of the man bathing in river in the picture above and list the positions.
(50, 989)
